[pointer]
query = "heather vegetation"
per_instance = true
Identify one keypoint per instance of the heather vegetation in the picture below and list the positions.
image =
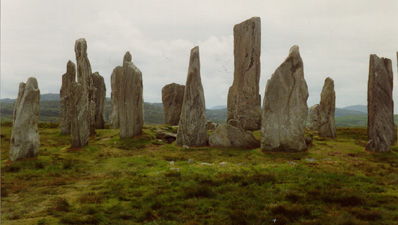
(146, 180)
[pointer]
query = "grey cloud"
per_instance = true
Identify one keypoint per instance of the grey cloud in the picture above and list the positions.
(335, 39)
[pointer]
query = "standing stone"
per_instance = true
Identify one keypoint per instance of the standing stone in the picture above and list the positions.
(244, 100)
(192, 126)
(99, 98)
(25, 139)
(67, 79)
(172, 98)
(80, 127)
(314, 117)
(115, 85)
(127, 98)
(327, 106)
(85, 80)
(380, 105)
(285, 107)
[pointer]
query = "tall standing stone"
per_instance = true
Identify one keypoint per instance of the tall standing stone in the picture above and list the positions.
(327, 107)
(25, 139)
(80, 126)
(314, 117)
(192, 126)
(65, 95)
(172, 98)
(99, 97)
(285, 107)
(244, 100)
(127, 99)
(380, 105)
(85, 80)
(115, 86)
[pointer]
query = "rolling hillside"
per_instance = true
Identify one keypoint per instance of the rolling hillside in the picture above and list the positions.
(350, 116)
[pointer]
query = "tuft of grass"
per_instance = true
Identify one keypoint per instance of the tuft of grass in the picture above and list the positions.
(198, 191)
(60, 205)
(292, 212)
(341, 197)
(91, 198)
(366, 214)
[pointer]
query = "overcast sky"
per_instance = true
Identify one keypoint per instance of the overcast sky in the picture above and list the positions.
(335, 37)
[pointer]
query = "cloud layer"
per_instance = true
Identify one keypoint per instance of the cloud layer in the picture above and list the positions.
(335, 39)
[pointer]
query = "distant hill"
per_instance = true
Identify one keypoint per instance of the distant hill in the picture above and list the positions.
(43, 98)
(346, 112)
(49, 97)
(360, 108)
(7, 100)
(350, 116)
(217, 115)
(219, 107)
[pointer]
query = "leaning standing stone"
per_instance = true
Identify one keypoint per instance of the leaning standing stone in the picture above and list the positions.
(285, 107)
(380, 105)
(244, 101)
(172, 98)
(65, 92)
(192, 126)
(25, 139)
(99, 97)
(327, 106)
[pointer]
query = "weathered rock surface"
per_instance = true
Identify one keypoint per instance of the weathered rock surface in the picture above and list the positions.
(115, 92)
(165, 133)
(172, 98)
(25, 139)
(67, 79)
(127, 98)
(327, 107)
(244, 100)
(285, 107)
(380, 105)
(85, 80)
(99, 98)
(314, 117)
(80, 125)
(192, 126)
(228, 136)
(210, 125)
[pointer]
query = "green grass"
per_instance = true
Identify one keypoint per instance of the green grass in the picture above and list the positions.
(114, 181)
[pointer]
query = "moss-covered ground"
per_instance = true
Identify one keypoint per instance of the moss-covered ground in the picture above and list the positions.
(147, 181)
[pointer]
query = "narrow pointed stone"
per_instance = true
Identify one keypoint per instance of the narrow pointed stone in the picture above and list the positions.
(327, 107)
(192, 126)
(65, 92)
(85, 80)
(285, 107)
(81, 105)
(244, 100)
(381, 128)
(25, 139)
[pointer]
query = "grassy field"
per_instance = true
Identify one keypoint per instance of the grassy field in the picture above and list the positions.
(147, 181)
